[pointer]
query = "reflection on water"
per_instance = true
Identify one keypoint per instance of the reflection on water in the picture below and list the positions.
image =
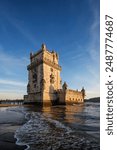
(61, 127)
(83, 117)
(64, 113)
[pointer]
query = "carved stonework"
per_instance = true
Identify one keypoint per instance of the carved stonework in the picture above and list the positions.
(54, 65)
(57, 56)
(42, 85)
(83, 92)
(28, 88)
(61, 82)
(51, 69)
(51, 78)
(34, 75)
(43, 47)
(65, 86)
(31, 54)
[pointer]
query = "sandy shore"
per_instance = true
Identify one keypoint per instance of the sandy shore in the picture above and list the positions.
(10, 121)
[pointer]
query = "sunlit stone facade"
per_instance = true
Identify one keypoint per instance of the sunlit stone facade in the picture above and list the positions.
(44, 82)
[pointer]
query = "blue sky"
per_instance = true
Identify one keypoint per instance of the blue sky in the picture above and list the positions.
(70, 27)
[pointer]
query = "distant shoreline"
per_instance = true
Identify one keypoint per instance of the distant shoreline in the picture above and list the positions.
(8, 105)
(95, 99)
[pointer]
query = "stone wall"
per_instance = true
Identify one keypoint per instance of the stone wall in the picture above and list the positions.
(73, 96)
(61, 96)
(33, 98)
(69, 96)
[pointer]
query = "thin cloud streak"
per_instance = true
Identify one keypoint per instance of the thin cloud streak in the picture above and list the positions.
(12, 65)
(18, 25)
(93, 51)
(93, 47)
(6, 59)
(11, 95)
(11, 86)
(13, 83)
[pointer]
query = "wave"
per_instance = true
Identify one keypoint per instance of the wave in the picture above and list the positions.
(44, 133)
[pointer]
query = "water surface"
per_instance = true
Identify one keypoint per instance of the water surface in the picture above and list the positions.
(74, 127)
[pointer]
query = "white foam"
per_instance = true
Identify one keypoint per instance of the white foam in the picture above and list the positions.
(35, 128)
(58, 124)
(44, 130)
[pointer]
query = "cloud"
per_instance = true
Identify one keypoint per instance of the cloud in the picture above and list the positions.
(12, 83)
(11, 65)
(12, 70)
(10, 89)
(12, 60)
(18, 24)
(94, 44)
(11, 95)
(93, 49)
(92, 93)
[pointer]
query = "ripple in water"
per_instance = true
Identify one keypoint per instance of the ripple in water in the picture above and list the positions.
(44, 133)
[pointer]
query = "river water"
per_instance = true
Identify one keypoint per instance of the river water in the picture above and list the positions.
(71, 127)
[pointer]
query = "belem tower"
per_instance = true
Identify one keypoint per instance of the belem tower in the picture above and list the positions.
(44, 81)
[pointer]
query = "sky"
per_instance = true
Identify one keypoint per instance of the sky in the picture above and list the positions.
(70, 27)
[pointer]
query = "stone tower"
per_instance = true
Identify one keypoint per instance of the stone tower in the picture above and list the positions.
(43, 76)
(44, 82)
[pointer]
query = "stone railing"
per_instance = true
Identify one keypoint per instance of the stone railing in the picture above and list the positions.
(49, 62)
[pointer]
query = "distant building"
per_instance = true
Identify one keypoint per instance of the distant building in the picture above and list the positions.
(44, 81)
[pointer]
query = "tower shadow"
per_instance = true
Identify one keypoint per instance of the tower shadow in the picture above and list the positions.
(53, 95)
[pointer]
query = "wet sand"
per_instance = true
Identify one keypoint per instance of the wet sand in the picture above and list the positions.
(10, 121)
